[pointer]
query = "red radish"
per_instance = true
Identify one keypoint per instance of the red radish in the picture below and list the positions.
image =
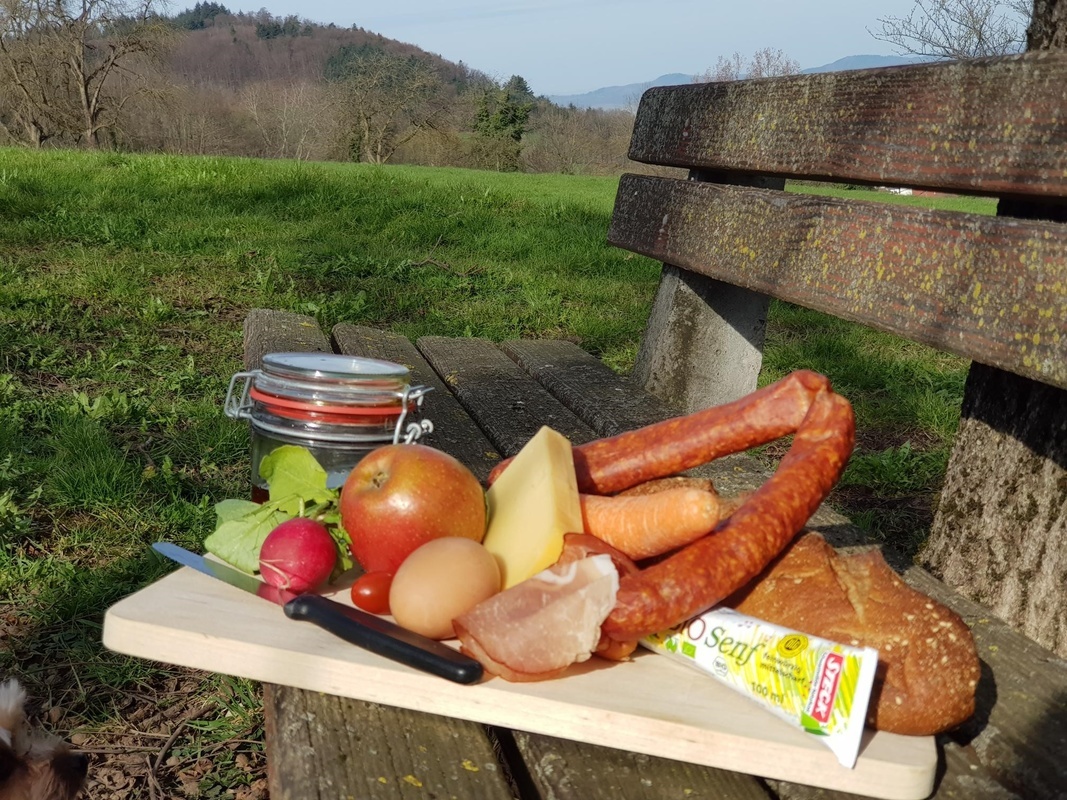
(299, 555)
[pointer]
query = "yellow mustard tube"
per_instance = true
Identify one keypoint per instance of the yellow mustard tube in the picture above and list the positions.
(820, 686)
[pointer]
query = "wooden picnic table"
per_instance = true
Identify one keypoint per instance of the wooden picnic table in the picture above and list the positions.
(488, 400)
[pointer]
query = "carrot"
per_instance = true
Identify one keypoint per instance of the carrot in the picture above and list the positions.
(648, 525)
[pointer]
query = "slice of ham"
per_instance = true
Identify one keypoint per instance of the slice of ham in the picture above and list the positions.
(582, 545)
(577, 546)
(538, 628)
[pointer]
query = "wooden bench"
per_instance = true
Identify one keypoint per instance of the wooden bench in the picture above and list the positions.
(992, 289)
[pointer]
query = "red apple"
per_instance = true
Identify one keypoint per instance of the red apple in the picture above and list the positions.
(403, 495)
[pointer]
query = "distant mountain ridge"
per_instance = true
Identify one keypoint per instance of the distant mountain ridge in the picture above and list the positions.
(615, 97)
(863, 62)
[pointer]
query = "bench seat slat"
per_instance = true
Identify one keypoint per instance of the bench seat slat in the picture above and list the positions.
(307, 732)
(563, 770)
(492, 386)
(609, 403)
(990, 289)
(269, 331)
(942, 126)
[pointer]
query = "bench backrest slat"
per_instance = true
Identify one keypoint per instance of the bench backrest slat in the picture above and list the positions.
(990, 126)
(991, 289)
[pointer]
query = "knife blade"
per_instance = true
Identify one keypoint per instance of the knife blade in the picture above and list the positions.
(350, 624)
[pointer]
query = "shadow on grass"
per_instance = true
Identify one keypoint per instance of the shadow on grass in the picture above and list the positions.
(55, 647)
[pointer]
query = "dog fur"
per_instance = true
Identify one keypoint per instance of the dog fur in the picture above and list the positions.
(34, 766)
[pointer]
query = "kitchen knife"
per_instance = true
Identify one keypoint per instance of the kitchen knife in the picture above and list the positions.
(354, 626)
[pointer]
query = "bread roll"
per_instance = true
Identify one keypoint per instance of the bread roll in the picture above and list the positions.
(673, 482)
(928, 666)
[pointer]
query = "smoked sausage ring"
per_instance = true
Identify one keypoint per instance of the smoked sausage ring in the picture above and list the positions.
(713, 567)
(609, 465)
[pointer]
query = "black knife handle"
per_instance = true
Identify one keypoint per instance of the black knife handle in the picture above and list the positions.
(384, 638)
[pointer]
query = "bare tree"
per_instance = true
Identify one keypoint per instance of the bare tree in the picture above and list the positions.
(61, 61)
(956, 29)
(766, 63)
(1048, 25)
(33, 92)
(577, 141)
(290, 116)
(388, 100)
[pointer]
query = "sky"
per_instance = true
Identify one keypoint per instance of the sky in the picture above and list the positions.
(574, 47)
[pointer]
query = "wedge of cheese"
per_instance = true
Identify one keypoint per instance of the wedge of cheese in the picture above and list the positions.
(531, 505)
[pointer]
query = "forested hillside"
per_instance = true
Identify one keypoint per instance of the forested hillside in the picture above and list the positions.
(208, 81)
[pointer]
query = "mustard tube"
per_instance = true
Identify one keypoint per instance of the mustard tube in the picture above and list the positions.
(820, 686)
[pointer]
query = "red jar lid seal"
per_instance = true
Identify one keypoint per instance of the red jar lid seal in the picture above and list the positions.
(343, 412)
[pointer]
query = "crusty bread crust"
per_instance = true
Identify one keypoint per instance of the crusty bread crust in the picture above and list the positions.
(672, 482)
(928, 666)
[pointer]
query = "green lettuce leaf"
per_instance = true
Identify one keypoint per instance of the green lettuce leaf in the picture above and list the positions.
(297, 488)
(225, 510)
(237, 540)
(295, 478)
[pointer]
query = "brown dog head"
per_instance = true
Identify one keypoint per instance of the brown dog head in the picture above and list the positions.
(56, 775)
(34, 768)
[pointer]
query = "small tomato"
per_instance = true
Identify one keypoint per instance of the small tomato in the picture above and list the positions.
(371, 592)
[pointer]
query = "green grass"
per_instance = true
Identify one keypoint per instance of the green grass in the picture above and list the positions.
(970, 205)
(123, 283)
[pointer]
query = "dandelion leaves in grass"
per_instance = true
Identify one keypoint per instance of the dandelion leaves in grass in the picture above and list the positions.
(297, 488)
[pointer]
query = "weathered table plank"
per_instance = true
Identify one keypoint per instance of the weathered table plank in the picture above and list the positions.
(563, 770)
(596, 394)
(309, 734)
(508, 405)
(454, 430)
(321, 746)
(270, 331)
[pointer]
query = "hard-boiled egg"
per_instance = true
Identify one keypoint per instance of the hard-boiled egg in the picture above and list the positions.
(439, 581)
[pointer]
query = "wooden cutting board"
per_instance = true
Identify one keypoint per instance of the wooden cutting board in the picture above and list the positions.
(648, 705)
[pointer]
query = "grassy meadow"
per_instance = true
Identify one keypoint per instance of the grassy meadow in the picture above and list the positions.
(123, 284)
